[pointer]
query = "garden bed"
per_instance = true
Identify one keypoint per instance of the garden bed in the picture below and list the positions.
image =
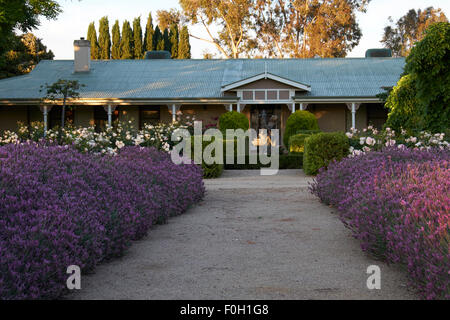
(61, 207)
(396, 203)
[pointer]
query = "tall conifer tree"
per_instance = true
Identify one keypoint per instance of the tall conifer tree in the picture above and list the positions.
(92, 37)
(174, 38)
(138, 46)
(184, 47)
(167, 44)
(104, 39)
(149, 34)
(126, 44)
(115, 50)
(158, 40)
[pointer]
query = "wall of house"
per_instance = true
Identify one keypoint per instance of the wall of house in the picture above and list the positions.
(208, 114)
(331, 117)
(10, 115)
(266, 84)
(129, 113)
(36, 114)
(361, 117)
(84, 116)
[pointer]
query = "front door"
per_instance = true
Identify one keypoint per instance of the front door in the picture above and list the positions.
(266, 116)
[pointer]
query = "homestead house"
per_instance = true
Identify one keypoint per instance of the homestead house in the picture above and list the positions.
(341, 92)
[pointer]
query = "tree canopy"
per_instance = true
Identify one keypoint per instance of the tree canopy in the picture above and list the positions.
(64, 90)
(184, 47)
(104, 38)
(25, 52)
(137, 33)
(166, 18)
(174, 40)
(409, 29)
(421, 98)
(16, 55)
(115, 49)
(126, 43)
(149, 33)
(92, 38)
(231, 16)
(132, 42)
(23, 15)
(299, 28)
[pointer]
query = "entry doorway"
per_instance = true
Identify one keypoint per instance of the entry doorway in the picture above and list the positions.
(265, 116)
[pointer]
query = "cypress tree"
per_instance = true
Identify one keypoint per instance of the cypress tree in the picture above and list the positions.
(174, 38)
(184, 47)
(92, 37)
(167, 44)
(149, 33)
(115, 50)
(126, 44)
(137, 31)
(104, 39)
(158, 40)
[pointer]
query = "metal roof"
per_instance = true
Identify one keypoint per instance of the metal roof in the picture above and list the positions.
(168, 79)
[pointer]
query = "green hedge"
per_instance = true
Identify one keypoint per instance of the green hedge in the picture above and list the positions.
(404, 110)
(210, 171)
(322, 148)
(297, 142)
(289, 161)
(233, 120)
(308, 131)
(299, 120)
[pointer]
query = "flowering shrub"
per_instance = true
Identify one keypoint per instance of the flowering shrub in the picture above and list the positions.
(396, 202)
(107, 142)
(60, 207)
(371, 139)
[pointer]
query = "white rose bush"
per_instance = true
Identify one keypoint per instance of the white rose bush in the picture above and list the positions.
(371, 139)
(109, 141)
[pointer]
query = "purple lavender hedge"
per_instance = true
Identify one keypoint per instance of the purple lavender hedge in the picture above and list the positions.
(396, 202)
(59, 207)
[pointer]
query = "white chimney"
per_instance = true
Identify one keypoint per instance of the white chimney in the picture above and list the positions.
(82, 60)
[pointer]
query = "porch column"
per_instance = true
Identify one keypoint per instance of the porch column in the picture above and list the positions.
(293, 107)
(174, 108)
(353, 107)
(303, 106)
(45, 110)
(110, 109)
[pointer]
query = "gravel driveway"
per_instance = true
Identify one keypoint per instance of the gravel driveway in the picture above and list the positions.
(253, 237)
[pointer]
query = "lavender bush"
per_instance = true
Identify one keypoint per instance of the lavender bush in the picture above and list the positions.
(396, 202)
(60, 207)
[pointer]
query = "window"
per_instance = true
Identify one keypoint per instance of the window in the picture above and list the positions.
(264, 95)
(260, 95)
(247, 95)
(149, 115)
(284, 95)
(272, 95)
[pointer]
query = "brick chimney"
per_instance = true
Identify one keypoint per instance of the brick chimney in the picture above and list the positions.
(82, 59)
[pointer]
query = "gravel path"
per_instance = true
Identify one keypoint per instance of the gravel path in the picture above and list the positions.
(253, 237)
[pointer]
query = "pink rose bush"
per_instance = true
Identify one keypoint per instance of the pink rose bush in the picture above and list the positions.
(61, 207)
(396, 202)
(371, 139)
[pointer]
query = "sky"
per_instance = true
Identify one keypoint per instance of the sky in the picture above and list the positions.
(58, 35)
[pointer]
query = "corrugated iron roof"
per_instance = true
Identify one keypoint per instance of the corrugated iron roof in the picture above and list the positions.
(156, 79)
